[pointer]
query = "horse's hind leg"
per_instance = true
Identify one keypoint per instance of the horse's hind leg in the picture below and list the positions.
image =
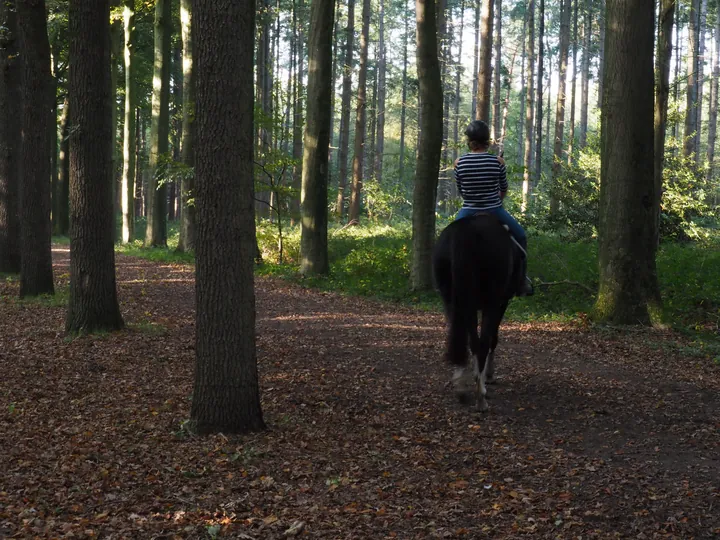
(490, 371)
(488, 334)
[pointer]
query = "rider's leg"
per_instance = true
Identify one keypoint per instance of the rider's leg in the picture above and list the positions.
(466, 212)
(525, 287)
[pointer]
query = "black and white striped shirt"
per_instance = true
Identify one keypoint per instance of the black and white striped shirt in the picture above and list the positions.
(480, 178)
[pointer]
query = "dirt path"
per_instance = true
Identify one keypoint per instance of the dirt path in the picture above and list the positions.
(590, 434)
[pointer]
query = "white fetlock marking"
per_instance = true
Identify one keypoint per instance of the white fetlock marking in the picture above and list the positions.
(483, 380)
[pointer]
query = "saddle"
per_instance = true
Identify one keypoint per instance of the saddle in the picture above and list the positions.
(517, 244)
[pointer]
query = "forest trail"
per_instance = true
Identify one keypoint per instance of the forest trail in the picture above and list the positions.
(590, 434)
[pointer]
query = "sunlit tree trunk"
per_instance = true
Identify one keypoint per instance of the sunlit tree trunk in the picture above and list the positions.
(601, 51)
(429, 146)
(700, 77)
(403, 105)
(560, 111)
(529, 105)
(298, 118)
(497, 72)
(690, 145)
(128, 178)
(313, 241)
(360, 119)
(540, 81)
(476, 59)
(485, 68)
(63, 187)
(116, 58)
(571, 142)
(380, 112)
(458, 76)
(523, 93)
(712, 121)
(345, 109)
(628, 282)
(585, 83)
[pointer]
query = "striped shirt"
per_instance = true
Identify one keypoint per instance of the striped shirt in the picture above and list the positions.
(480, 180)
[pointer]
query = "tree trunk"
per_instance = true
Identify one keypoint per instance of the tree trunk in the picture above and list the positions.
(523, 93)
(156, 234)
(403, 105)
(298, 118)
(662, 93)
(116, 58)
(226, 395)
(529, 102)
(380, 112)
(53, 140)
(476, 59)
(585, 83)
(539, 107)
(485, 69)
(700, 77)
(10, 137)
(129, 141)
(354, 211)
(429, 146)
(345, 110)
(63, 188)
(176, 131)
(372, 120)
(628, 283)
(601, 52)
(571, 142)
(313, 240)
(560, 111)
(497, 93)
(690, 145)
(187, 184)
(675, 126)
(36, 276)
(93, 304)
(712, 122)
(458, 77)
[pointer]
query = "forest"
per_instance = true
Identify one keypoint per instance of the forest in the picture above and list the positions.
(218, 313)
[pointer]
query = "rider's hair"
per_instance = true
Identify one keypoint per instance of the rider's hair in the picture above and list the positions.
(478, 135)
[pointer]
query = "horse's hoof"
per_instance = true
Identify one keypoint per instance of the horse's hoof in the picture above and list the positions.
(491, 380)
(465, 398)
(481, 407)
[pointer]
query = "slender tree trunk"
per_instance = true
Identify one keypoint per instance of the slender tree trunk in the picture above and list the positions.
(458, 76)
(676, 74)
(506, 105)
(700, 77)
(628, 280)
(380, 113)
(601, 52)
(560, 111)
(529, 101)
(129, 140)
(369, 171)
(403, 105)
(539, 107)
(36, 275)
(54, 140)
(485, 71)
(345, 109)
(116, 58)
(354, 211)
(10, 137)
(93, 304)
(313, 240)
(64, 172)
(523, 93)
(429, 146)
(156, 234)
(712, 121)
(187, 184)
(690, 145)
(585, 83)
(476, 59)
(547, 116)
(571, 142)
(662, 92)
(176, 131)
(497, 94)
(444, 56)
(226, 395)
(298, 119)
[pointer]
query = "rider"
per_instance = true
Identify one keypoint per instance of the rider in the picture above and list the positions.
(482, 182)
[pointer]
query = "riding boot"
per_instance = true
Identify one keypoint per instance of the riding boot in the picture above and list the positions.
(524, 286)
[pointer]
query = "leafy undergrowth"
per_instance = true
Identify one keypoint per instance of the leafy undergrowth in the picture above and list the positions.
(590, 434)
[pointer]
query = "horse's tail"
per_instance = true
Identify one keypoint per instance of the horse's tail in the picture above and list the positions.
(459, 315)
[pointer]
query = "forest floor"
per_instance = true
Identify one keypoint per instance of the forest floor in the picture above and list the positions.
(591, 433)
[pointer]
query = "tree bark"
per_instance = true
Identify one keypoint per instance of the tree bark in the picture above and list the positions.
(529, 102)
(485, 68)
(187, 184)
(381, 90)
(63, 187)
(476, 59)
(712, 121)
(93, 304)
(36, 275)
(403, 105)
(700, 77)
(585, 83)
(601, 51)
(662, 93)
(298, 119)
(571, 142)
(497, 74)
(560, 111)
(523, 93)
(690, 145)
(127, 201)
(226, 395)
(539, 107)
(360, 119)
(156, 233)
(628, 283)
(456, 100)
(116, 58)
(429, 146)
(313, 239)
(345, 110)
(10, 137)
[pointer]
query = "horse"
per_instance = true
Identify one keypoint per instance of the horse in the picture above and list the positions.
(476, 267)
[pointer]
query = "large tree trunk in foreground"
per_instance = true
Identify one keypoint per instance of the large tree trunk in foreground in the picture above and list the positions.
(429, 146)
(226, 395)
(93, 304)
(36, 275)
(628, 283)
(127, 197)
(156, 233)
(313, 203)
(10, 133)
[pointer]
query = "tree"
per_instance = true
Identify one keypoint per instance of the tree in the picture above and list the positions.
(628, 282)
(485, 69)
(10, 120)
(429, 145)
(313, 203)
(36, 275)
(714, 87)
(691, 139)
(497, 75)
(156, 233)
(345, 109)
(127, 196)
(403, 105)
(539, 102)
(226, 395)
(360, 118)
(584, 83)
(187, 183)
(529, 102)
(380, 112)
(93, 304)
(560, 111)
(63, 183)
